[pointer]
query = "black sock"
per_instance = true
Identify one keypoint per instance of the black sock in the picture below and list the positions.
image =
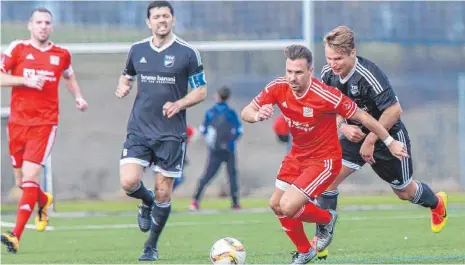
(424, 196)
(328, 199)
(160, 214)
(141, 192)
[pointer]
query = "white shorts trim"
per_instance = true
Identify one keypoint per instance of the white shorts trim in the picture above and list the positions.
(401, 187)
(169, 174)
(282, 185)
(50, 142)
(303, 192)
(351, 165)
(133, 160)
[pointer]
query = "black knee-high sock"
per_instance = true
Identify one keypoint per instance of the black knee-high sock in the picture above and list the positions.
(424, 196)
(141, 192)
(160, 214)
(328, 199)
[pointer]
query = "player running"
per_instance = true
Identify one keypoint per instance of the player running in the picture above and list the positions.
(363, 82)
(36, 66)
(310, 108)
(165, 65)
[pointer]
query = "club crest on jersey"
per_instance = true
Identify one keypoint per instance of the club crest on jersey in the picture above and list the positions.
(308, 112)
(55, 60)
(354, 90)
(169, 60)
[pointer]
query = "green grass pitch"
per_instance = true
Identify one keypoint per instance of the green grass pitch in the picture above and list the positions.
(371, 236)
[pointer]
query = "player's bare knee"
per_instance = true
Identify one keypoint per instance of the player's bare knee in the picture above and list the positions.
(130, 176)
(287, 209)
(129, 181)
(274, 205)
(404, 195)
(31, 171)
(129, 184)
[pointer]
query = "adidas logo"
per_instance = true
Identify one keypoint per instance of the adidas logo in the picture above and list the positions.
(284, 104)
(178, 167)
(142, 60)
(25, 207)
(30, 57)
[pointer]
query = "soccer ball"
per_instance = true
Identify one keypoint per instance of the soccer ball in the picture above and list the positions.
(227, 250)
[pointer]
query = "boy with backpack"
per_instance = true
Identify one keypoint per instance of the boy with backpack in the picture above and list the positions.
(221, 128)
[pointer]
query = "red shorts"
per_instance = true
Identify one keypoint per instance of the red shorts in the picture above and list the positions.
(311, 176)
(31, 143)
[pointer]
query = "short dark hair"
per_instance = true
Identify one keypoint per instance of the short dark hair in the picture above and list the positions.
(224, 93)
(295, 52)
(159, 4)
(41, 10)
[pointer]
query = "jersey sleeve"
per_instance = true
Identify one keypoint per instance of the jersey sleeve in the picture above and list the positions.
(129, 70)
(325, 72)
(338, 102)
(10, 56)
(195, 70)
(378, 87)
(68, 68)
(268, 94)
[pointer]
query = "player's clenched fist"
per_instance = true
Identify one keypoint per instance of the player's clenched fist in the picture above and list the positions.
(36, 82)
(171, 108)
(81, 104)
(264, 113)
(122, 90)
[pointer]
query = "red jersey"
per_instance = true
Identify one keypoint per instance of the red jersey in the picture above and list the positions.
(30, 106)
(310, 117)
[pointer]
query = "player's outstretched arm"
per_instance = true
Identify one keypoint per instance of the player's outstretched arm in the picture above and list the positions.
(75, 90)
(397, 148)
(387, 119)
(252, 113)
(7, 80)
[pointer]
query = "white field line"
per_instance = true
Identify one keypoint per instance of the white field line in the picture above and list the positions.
(248, 222)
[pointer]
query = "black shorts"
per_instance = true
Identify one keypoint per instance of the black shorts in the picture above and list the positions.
(392, 170)
(165, 157)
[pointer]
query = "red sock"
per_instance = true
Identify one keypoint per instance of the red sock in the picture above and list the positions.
(42, 198)
(295, 231)
(310, 213)
(26, 205)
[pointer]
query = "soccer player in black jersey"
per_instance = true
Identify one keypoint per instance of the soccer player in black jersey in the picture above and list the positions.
(364, 82)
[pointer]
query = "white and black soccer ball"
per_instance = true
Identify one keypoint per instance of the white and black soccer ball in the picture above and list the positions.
(227, 250)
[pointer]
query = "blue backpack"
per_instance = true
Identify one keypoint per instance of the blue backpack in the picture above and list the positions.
(223, 132)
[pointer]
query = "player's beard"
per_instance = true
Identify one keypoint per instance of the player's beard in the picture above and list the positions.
(42, 38)
(162, 36)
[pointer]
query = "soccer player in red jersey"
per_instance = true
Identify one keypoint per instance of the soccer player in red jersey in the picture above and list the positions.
(36, 66)
(310, 108)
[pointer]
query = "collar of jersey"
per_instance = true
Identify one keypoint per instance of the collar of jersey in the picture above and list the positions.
(308, 89)
(165, 46)
(50, 45)
(343, 81)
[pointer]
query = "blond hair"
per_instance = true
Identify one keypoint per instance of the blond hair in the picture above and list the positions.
(340, 39)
